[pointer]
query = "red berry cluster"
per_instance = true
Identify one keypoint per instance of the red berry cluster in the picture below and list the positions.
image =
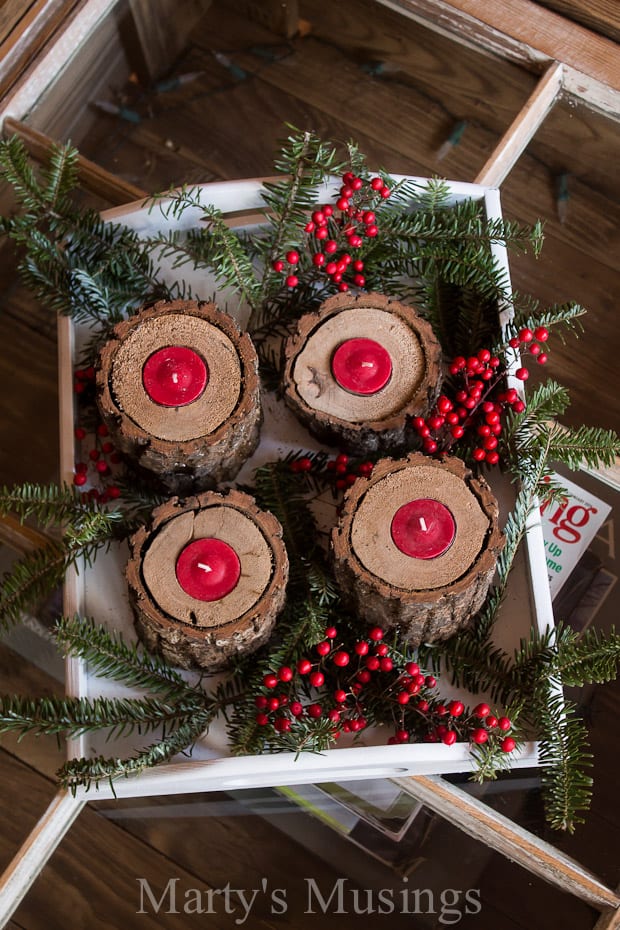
(98, 455)
(343, 470)
(337, 683)
(346, 471)
(532, 342)
(478, 405)
(334, 231)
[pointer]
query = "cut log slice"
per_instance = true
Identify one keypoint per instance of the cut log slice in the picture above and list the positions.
(358, 368)
(178, 388)
(207, 579)
(416, 546)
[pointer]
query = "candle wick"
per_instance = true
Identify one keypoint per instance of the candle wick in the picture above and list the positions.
(205, 568)
(423, 525)
(175, 377)
(367, 365)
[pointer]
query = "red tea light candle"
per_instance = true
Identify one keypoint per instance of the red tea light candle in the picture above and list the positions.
(174, 376)
(361, 366)
(208, 569)
(423, 528)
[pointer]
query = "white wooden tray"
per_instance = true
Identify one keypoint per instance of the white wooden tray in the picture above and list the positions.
(100, 592)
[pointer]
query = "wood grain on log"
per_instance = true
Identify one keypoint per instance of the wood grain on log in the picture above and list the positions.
(190, 447)
(361, 423)
(190, 632)
(427, 599)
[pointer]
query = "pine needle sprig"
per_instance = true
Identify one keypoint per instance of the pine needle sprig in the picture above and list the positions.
(53, 504)
(30, 580)
(75, 716)
(109, 656)
(88, 772)
(564, 757)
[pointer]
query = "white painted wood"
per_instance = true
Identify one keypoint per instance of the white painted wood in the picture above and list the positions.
(528, 34)
(609, 919)
(516, 138)
(512, 841)
(51, 63)
(35, 852)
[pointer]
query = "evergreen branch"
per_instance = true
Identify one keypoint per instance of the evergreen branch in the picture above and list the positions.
(109, 656)
(564, 757)
(61, 175)
(86, 772)
(75, 716)
(31, 579)
(229, 261)
(53, 504)
(590, 657)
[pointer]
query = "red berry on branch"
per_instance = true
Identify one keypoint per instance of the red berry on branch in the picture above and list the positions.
(361, 648)
(340, 696)
(309, 227)
(481, 710)
(372, 231)
(504, 723)
(372, 663)
(385, 192)
(342, 203)
(318, 217)
(479, 736)
(273, 703)
(316, 679)
(456, 708)
(491, 722)
(318, 259)
(270, 680)
(412, 668)
(479, 455)
(542, 359)
(508, 744)
(79, 432)
(323, 648)
(541, 333)
(430, 681)
(292, 280)
(518, 406)
(376, 634)
(303, 666)
(386, 664)
(314, 710)
(535, 349)
(341, 658)
(331, 632)
(526, 335)
(278, 265)
(321, 233)
(296, 708)
(376, 184)
(513, 343)
(262, 719)
(79, 479)
(522, 374)
(357, 184)
(449, 738)
(285, 673)
(331, 246)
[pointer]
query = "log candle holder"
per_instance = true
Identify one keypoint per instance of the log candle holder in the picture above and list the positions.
(207, 579)
(178, 388)
(416, 546)
(358, 368)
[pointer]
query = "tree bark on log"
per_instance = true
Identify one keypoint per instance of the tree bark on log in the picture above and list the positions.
(361, 424)
(196, 445)
(427, 600)
(195, 633)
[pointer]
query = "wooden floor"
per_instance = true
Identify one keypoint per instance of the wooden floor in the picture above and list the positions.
(224, 127)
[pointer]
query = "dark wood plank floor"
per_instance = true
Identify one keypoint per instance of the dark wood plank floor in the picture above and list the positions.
(220, 127)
